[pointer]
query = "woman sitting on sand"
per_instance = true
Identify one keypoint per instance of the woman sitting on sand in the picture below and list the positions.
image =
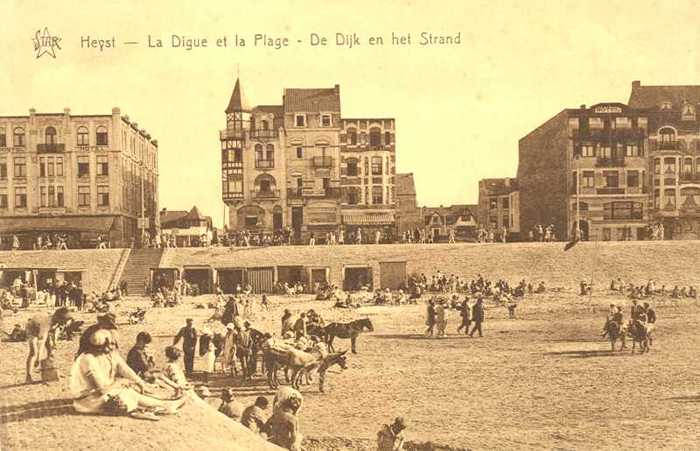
(102, 382)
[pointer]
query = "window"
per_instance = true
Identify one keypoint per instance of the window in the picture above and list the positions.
(352, 168)
(588, 179)
(20, 167)
(657, 166)
(670, 198)
(265, 125)
(632, 150)
(300, 152)
(504, 203)
(59, 196)
(668, 137)
(3, 199)
(387, 138)
(299, 121)
(326, 184)
(3, 139)
(353, 196)
(377, 165)
(505, 222)
(83, 136)
(612, 179)
(352, 136)
(375, 137)
(20, 197)
(633, 179)
(665, 105)
(259, 152)
(605, 152)
(59, 166)
(83, 166)
(377, 195)
(83, 196)
(251, 221)
(102, 165)
(325, 120)
(687, 166)
(42, 195)
(657, 199)
(18, 138)
(270, 152)
(50, 135)
(3, 169)
(670, 165)
(102, 196)
(493, 204)
(588, 150)
(622, 210)
(101, 137)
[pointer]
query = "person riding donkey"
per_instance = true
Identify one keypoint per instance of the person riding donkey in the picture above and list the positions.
(616, 316)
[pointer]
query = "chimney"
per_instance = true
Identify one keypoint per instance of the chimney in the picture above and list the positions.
(66, 111)
(583, 106)
(32, 111)
(116, 110)
(636, 84)
(507, 182)
(336, 89)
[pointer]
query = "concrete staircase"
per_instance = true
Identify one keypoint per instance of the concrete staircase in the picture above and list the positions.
(137, 266)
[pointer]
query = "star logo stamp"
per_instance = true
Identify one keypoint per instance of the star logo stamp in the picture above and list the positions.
(45, 43)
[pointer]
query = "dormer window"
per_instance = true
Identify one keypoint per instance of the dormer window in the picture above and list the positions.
(300, 120)
(688, 111)
(325, 120)
(666, 105)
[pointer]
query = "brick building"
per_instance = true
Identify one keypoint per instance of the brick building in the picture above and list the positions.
(674, 156)
(300, 165)
(595, 155)
(79, 176)
(408, 215)
(499, 205)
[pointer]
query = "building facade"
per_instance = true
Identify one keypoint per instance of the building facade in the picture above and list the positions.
(587, 165)
(499, 205)
(439, 222)
(183, 228)
(674, 156)
(408, 215)
(301, 166)
(77, 176)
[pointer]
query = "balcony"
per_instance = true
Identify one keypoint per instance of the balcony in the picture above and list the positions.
(608, 190)
(619, 134)
(610, 162)
(689, 178)
(263, 134)
(668, 145)
(264, 164)
(322, 162)
(50, 148)
(231, 133)
(267, 194)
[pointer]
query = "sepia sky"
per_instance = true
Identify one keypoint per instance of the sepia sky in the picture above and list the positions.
(459, 109)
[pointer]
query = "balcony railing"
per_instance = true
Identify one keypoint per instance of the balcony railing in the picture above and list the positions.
(690, 178)
(263, 134)
(265, 164)
(607, 134)
(667, 145)
(610, 162)
(231, 133)
(267, 194)
(50, 148)
(322, 162)
(609, 190)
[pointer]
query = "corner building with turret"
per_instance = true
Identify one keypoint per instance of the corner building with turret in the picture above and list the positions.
(301, 166)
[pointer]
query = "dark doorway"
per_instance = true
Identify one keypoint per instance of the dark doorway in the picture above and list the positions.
(297, 221)
(392, 275)
(199, 279)
(229, 279)
(291, 274)
(75, 277)
(277, 221)
(45, 279)
(357, 278)
(319, 275)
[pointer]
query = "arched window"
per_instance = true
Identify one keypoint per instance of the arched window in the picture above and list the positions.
(83, 136)
(265, 184)
(259, 152)
(352, 136)
(667, 137)
(50, 135)
(265, 125)
(687, 166)
(101, 137)
(269, 152)
(18, 137)
(375, 137)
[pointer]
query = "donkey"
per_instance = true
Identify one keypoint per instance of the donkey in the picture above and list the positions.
(615, 333)
(639, 335)
(350, 330)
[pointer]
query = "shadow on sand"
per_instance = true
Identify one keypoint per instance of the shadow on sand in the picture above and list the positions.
(38, 409)
(418, 337)
(685, 399)
(587, 354)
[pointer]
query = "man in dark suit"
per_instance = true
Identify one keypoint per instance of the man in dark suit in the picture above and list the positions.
(477, 317)
(430, 320)
(188, 334)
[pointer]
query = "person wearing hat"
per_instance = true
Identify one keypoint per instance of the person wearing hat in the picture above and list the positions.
(41, 333)
(391, 437)
(287, 322)
(139, 360)
(108, 321)
(228, 353)
(188, 334)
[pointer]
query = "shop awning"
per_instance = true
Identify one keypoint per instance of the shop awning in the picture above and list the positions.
(100, 224)
(368, 219)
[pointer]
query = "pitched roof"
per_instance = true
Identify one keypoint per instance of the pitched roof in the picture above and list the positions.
(654, 96)
(405, 185)
(500, 185)
(195, 215)
(171, 215)
(312, 100)
(238, 101)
